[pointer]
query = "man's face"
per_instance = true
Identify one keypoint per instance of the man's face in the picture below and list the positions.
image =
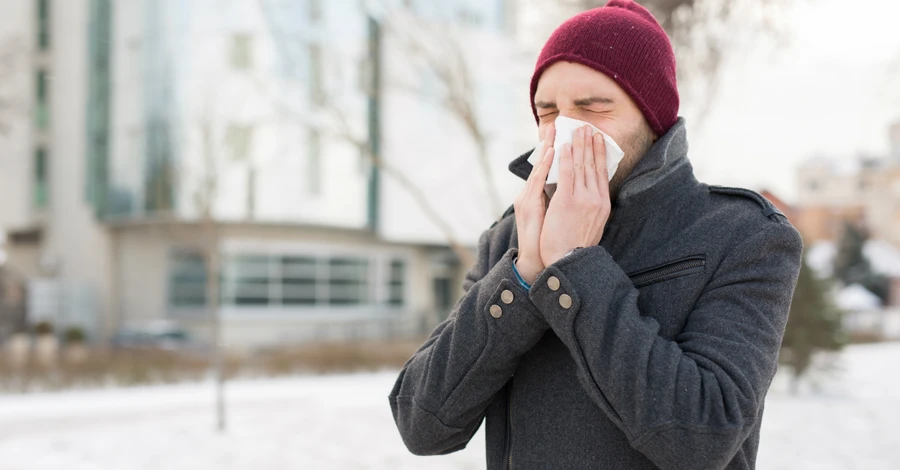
(579, 92)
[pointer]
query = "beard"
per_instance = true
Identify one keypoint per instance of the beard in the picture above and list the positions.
(636, 144)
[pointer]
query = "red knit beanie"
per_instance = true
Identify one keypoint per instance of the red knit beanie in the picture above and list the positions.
(623, 41)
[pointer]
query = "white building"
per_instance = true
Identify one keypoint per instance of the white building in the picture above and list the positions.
(145, 115)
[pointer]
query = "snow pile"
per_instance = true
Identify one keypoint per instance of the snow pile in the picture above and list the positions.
(856, 298)
(344, 422)
(881, 255)
(820, 257)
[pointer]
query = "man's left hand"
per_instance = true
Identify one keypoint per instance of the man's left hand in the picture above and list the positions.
(581, 205)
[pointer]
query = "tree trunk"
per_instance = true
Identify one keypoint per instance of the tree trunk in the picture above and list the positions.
(215, 314)
(251, 192)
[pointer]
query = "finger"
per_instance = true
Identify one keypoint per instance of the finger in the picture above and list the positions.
(578, 158)
(590, 166)
(549, 136)
(600, 162)
(546, 143)
(566, 172)
(538, 176)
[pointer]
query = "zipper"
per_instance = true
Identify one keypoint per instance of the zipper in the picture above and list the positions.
(509, 424)
(682, 267)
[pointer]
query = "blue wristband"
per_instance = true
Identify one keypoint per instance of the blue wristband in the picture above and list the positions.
(522, 282)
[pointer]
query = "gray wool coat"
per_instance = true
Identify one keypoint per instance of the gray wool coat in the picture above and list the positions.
(654, 349)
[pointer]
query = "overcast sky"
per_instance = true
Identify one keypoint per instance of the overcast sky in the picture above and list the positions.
(828, 92)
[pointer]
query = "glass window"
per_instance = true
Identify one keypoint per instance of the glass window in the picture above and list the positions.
(187, 279)
(40, 178)
(315, 10)
(241, 53)
(43, 10)
(249, 278)
(98, 103)
(443, 296)
(469, 17)
(239, 139)
(42, 108)
(298, 281)
(396, 283)
(443, 293)
(348, 281)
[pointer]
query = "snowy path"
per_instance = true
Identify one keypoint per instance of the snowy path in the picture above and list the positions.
(344, 422)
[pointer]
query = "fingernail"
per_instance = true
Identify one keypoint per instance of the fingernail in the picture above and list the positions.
(579, 132)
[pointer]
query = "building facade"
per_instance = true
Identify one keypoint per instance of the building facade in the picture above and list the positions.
(865, 191)
(149, 121)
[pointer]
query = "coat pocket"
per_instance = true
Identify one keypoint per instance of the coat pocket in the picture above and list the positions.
(671, 270)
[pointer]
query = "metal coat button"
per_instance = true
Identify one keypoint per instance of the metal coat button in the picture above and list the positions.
(565, 301)
(553, 283)
(496, 311)
(507, 296)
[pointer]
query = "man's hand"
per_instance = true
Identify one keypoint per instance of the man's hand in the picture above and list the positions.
(530, 208)
(581, 206)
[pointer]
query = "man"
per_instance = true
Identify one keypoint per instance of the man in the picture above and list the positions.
(630, 324)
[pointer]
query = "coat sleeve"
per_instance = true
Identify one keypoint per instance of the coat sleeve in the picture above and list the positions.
(441, 395)
(690, 402)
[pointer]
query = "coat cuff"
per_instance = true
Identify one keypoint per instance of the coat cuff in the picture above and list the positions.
(555, 294)
(508, 309)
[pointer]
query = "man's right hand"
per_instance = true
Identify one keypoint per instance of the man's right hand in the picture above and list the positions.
(530, 208)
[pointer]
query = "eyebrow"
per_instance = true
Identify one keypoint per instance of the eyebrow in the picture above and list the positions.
(579, 102)
(593, 100)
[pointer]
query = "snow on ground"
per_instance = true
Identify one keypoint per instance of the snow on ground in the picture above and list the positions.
(343, 422)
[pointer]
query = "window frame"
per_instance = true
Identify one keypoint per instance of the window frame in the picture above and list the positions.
(174, 256)
(43, 29)
(41, 190)
(375, 287)
(240, 51)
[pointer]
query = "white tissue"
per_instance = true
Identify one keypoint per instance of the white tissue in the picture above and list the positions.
(565, 130)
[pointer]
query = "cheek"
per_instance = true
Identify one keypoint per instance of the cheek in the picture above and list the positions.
(610, 129)
(542, 130)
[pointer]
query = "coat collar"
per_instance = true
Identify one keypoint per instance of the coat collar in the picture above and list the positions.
(667, 155)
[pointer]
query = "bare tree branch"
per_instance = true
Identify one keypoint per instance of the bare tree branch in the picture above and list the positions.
(345, 133)
(436, 50)
(701, 32)
(460, 102)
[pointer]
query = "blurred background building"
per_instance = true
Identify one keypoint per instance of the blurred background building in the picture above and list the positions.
(287, 135)
(840, 195)
(339, 158)
(864, 190)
